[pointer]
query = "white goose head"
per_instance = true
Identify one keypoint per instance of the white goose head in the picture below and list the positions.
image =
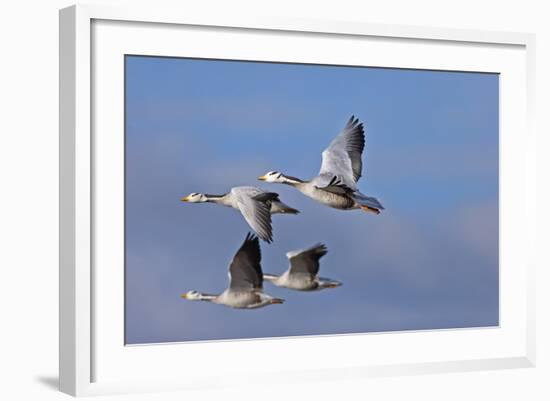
(192, 295)
(195, 197)
(273, 176)
(280, 178)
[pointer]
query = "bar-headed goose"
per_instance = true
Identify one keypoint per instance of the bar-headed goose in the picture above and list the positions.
(336, 184)
(245, 281)
(303, 272)
(255, 204)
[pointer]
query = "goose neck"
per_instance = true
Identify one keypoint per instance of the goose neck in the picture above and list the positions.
(215, 198)
(207, 297)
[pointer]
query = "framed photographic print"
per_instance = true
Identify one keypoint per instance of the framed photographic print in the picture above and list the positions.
(332, 199)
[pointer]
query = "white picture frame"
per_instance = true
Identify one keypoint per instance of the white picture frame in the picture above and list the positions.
(82, 344)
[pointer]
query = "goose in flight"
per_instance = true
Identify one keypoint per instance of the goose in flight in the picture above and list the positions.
(255, 204)
(245, 281)
(336, 184)
(303, 272)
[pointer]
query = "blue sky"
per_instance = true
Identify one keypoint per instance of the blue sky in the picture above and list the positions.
(429, 261)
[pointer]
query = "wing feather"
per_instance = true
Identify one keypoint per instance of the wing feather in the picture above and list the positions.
(342, 157)
(245, 271)
(306, 260)
(258, 216)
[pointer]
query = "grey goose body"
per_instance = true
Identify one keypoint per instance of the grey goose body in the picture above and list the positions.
(255, 204)
(245, 289)
(341, 169)
(303, 272)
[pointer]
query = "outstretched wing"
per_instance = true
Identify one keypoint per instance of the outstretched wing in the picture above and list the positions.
(342, 158)
(245, 271)
(258, 216)
(306, 260)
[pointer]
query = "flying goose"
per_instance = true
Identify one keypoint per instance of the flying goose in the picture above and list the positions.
(255, 204)
(245, 281)
(303, 272)
(336, 184)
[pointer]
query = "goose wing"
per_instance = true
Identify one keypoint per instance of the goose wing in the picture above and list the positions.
(306, 260)
(342, 158)
(245, 271)
(257, 214)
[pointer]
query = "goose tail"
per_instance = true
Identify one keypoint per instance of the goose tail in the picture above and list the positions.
(280, 207)
(368, 203)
